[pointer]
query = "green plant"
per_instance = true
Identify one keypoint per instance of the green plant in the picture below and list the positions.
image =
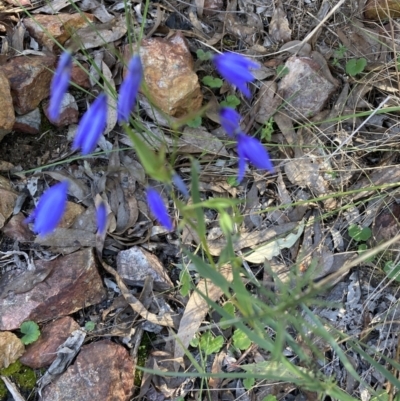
(212, 82)
(202, 55)
(339, 54)
(356, 66)
(361, 234)
(392, 270)
(281, 71)
(267, 130)
(90, 326)
(31, 332)
(231, 101)
(208, 343)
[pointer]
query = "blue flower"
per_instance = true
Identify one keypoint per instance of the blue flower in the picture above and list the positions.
(178, 182)
(50, 209)
(101, 217)
(235, 69)
(91, 126)
(230, 119)
(251, 150)
(59, 85)
(129, 89)
(158, 208)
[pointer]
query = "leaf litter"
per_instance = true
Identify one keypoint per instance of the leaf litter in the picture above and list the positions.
(334, 169)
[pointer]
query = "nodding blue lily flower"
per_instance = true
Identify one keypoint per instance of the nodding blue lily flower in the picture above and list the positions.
(158, 208)
(91, 126)
(50, 209)
(178, 182)
(129, 89)
(101, 217)
(251, 150)
(230, 119)
(235, 69)
(59, 85)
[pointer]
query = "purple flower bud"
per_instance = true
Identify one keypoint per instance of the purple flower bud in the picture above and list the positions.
(91, 126)
(235, 69)
(229, 119)
(101, 216)
(50, 209)
(129, 89)
(158, 208)
(178, 182)
(251, 150)
(59, 85)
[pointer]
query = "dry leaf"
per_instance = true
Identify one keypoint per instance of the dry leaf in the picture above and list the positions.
(196, 310)
(11, 348)
(279, 26)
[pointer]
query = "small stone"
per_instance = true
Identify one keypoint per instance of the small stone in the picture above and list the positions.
(382, 9)
(168, 71)
(135, 264)
(17, 229)
(30, 79)
(8, 198)
(7, 116)
(212, 6)
(48, 30)
(28, 123)
(69, 113)
(304, 89)
(43, 352)
(79, 76)
(102, 371)
(56, 288)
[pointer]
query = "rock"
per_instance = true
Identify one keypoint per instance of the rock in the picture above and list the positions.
(57, 288)
(71, 213)
(7, 116)
(382, 9)
(30, 79)
(80, 77)
(17, 229)
(43, 352)
(304, 89)
(8, 198)
(28, 123)
(135, 264)
(47, 30)
(168, 71)
(102, 371)
(69, 113)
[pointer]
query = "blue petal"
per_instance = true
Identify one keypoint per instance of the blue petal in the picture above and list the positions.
(230, 120)
(158, 208)
(235, 69)
(59, 85)
(178, 182)
(101, 217)
(255, 152)
(129, 89)
(91, 126)
(50, 209)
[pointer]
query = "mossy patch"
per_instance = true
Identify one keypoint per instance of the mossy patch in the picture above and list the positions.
(22, 375)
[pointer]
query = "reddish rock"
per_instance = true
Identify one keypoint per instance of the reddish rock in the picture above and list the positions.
(8, 198)
(304, 88)
(102, 371)
(69, 113)
(7, 116)
(135, 264)
(47, 30)
(30, 79)
(17, 229)
(43, 352)
(79, 76)
(168, 71)
(59, 287)
(28, 123)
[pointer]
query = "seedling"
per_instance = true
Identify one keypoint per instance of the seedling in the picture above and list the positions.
(361, 234)
(240, 340)
(392, 270)
(202, 55)
(356, 66)
(231, 101)
(267, 130)
(208, 343)
(339, 54)
(89, 326)
(31, 332)
(195, 123)
(212, 82)
(281, 71)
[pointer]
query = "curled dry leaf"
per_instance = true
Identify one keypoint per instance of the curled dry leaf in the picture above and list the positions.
(267, 102)
(11, 348)
(279, 26)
